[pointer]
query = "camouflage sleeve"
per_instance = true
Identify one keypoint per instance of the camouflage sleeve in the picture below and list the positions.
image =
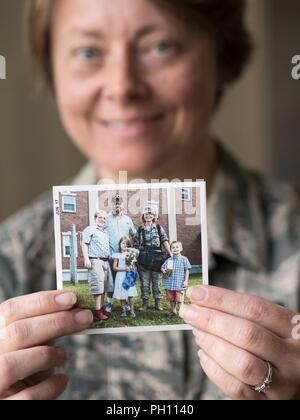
(7, 279)
(137, 240)
(11, 253)
(27, 259)
(164, 236)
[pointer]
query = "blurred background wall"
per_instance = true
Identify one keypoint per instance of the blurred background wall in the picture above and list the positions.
(259, 120)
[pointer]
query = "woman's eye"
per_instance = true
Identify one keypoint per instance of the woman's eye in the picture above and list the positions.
(156, 52)
(163, 47)
(89, 54)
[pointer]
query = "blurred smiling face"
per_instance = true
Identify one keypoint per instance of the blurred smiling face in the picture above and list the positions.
(118, 208)
(101, 220)
(132, 85)
(176, 248)
(124, 246)
(149, 217)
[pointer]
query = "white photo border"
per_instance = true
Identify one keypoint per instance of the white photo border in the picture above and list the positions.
(57, 190)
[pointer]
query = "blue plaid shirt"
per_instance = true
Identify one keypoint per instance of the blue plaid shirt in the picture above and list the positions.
(180, 266)
(97, 241)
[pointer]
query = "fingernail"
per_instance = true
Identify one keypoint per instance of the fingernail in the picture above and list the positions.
(84, 318)
(188, 313)
(197, 293)
(66, 299)
(202, 356)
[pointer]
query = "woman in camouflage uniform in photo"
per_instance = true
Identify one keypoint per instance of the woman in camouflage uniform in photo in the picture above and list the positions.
(151, 237)
(137, 83)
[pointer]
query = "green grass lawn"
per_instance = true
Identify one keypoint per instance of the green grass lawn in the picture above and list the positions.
(148, 318)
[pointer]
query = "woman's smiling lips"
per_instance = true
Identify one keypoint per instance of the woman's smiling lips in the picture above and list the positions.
(131, 127)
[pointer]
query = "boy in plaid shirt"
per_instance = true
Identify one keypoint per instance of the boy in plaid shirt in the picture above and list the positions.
(176, 272)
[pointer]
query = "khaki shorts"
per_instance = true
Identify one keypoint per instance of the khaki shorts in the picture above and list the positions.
(100, 278)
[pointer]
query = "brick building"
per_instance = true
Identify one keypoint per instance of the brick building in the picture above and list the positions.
(177, 215)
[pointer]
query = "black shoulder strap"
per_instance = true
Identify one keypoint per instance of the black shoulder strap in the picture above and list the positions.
(159, 233)
(159, 230)
(142, 236)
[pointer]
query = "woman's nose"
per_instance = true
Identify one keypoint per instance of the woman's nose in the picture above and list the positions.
(124, 81)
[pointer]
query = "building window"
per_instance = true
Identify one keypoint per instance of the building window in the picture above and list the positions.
(69, 204)
(186, 194)
(67, 245)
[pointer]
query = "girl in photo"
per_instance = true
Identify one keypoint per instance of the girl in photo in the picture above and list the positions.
(124, 262)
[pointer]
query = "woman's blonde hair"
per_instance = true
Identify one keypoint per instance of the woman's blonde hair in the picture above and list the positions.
(223, 18)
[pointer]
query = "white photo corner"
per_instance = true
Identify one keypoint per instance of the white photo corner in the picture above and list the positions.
(130, 252)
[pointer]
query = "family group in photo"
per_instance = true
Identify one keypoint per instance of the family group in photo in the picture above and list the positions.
(117, 255)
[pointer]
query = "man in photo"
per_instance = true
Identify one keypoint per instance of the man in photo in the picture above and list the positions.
(118, 226)
(96, 253)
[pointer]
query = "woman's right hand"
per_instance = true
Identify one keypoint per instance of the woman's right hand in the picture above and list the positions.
(27, 325)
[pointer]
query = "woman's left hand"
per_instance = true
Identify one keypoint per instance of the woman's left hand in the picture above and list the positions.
(238, 335)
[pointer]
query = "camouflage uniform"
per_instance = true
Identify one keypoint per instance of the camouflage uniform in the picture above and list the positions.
(254, 246)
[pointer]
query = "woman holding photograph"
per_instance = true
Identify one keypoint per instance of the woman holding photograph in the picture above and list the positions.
(151, 239)
(137, 83)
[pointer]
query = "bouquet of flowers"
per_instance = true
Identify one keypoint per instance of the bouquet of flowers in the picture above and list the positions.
(131, 257)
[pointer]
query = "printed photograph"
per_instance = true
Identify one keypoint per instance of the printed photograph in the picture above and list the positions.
(130, 252)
